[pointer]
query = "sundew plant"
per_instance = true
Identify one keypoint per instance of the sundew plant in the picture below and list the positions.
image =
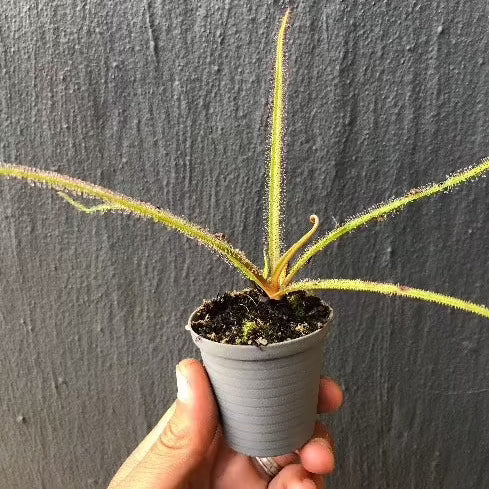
(276, 278)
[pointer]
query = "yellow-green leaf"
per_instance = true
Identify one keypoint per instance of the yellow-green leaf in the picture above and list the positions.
(118, 202)
(276, 151)
(382, 210)
(389, 289)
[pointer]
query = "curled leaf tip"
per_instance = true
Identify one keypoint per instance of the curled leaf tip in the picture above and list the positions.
(289, 255)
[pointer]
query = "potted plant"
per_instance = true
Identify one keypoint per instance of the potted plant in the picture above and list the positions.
(262, 346)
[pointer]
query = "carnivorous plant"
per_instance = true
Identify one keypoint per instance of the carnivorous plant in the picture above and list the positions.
(279, 271)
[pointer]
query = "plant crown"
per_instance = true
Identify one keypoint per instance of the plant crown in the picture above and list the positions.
(276, 278)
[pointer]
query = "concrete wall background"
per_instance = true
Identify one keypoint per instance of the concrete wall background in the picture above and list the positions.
(168, 102)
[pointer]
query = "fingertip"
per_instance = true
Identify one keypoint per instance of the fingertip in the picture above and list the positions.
(188, 365)
(317, 456)
(331, 396)
(195, 392)
(192, 381)
(194, 373)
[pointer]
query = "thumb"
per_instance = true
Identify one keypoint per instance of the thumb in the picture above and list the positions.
(167, 457)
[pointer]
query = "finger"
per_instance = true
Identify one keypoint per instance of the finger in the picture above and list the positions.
(318, 454)
(166, 460)
(331, 396)
(294, 476)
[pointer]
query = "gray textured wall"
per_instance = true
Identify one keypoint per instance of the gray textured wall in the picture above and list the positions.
(168, 102)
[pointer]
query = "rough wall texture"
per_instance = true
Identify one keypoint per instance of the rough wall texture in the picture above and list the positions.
(169, 102)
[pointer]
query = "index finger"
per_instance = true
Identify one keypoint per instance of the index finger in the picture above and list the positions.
(330, 397)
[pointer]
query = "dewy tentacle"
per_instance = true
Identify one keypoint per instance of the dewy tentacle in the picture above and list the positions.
(116, 201)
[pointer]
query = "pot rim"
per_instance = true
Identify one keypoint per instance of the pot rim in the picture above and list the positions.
(255, 352)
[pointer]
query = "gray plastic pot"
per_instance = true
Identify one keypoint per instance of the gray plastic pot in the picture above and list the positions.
(267, 396)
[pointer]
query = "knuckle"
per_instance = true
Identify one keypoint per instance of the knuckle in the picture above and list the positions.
(175, 436)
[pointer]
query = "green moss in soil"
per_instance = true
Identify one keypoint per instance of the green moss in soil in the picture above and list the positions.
(249, 317)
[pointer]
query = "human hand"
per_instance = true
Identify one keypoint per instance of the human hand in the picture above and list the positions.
(187, 450)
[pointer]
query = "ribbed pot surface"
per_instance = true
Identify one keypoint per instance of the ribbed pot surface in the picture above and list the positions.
(267, 396)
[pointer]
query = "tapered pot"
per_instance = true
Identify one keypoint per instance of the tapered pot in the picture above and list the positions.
(267, 396)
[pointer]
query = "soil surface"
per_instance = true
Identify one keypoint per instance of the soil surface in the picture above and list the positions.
(249, 317)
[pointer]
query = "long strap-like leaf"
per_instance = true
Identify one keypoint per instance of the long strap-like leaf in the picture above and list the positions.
(119, 202)
(388, 289)
(276, 152)
(384, 209)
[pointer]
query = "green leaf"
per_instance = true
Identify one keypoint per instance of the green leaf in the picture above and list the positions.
(388, 289)
(382, 210)
(276, 151)
(117, 202)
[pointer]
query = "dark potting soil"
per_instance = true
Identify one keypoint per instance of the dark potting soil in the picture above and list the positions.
(249, 317)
